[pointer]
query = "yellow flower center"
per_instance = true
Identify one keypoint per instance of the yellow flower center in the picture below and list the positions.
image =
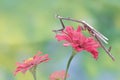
(28, 60)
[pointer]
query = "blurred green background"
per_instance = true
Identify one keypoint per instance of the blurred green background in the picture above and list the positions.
(26, 28)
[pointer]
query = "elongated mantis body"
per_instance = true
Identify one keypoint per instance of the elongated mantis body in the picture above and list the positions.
(93, 32)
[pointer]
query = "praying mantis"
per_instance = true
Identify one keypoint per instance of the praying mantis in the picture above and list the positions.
(92, 31)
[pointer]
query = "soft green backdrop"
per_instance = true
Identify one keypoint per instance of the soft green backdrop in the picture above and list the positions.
(26, 28)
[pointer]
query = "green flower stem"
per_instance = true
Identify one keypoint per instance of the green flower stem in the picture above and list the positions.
(33, 71)
(69, 61)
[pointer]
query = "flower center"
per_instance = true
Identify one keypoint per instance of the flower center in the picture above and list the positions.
(80, 46)
(28, 60)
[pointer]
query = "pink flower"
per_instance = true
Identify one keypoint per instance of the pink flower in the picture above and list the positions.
(78, 41)
(58, 75)
(31, 62)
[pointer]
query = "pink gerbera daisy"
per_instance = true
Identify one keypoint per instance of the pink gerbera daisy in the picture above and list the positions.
(78, 41)
(58, 75)
(31, 62)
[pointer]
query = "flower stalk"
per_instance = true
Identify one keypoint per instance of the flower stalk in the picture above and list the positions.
(69, 62)
(33, 71)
